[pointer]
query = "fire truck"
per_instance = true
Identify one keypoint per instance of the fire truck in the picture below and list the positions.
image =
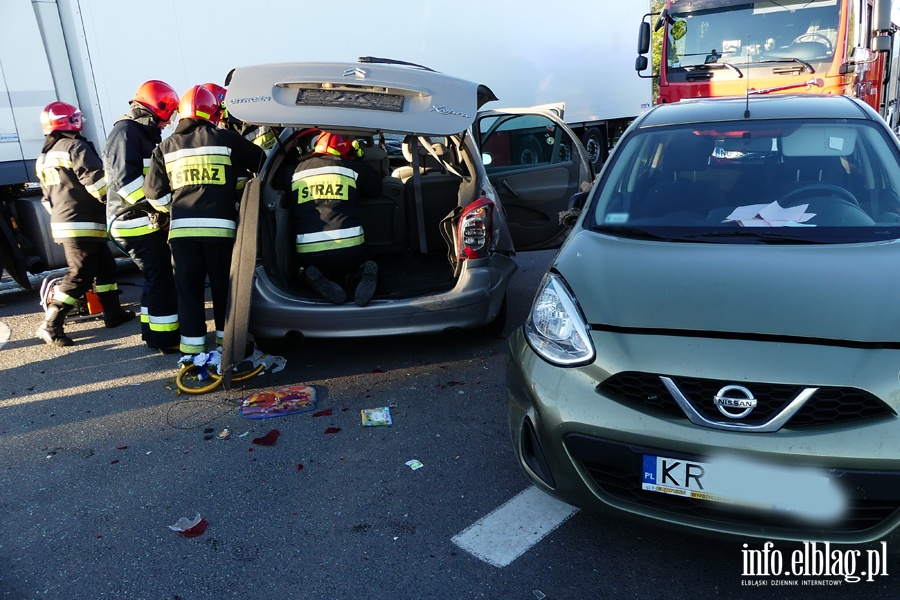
(743, 47)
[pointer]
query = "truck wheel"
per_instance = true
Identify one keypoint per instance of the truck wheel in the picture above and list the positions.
(530, 151)
(595, 144)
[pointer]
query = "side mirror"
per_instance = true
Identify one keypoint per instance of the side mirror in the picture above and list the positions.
(644, 38)
(486, 158)
(641, 63)
(661, 20)
(568, 217)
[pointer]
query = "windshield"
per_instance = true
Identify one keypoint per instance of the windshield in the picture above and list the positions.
(704, 32)
(823, 181)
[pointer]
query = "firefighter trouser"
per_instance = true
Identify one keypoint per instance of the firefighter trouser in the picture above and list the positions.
(87, 261)
(159, 300)
(195, 259)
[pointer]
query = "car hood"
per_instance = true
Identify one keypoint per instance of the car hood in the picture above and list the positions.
(831, 292)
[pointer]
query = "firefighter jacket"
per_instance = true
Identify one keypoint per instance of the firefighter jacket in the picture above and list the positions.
(327, 190)
(126, 157)
(261, 135)
(73, 182)
(193, 175)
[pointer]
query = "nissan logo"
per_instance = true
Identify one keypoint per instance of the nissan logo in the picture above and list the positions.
(735, 397)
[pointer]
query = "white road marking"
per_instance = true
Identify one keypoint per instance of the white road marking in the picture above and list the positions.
(4, 333)
(510, 530)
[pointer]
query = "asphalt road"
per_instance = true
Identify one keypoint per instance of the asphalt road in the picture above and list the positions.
(100, 456)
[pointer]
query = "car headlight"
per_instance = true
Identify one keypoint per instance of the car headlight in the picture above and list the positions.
(555, 328)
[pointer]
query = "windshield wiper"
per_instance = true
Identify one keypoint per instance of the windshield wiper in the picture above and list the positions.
(753, 233)
(631, 232)
(805, 64)
(711, 66)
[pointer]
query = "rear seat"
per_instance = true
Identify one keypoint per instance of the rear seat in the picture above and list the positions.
(384, 219)
(440, 196)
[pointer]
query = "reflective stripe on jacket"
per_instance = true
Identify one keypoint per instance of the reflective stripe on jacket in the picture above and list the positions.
(126, 158)
(74, 183)
(193, 175)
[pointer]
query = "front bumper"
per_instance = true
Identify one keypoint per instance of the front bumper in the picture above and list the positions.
(585, 447)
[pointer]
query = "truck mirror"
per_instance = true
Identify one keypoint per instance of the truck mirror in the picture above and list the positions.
(640, 64)
(661, 20)
(881, 43)
(644, 38)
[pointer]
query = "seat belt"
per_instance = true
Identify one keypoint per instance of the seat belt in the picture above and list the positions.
(440, 160)
(417, 190)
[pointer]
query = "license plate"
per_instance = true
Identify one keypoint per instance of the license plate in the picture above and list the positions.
(770, 487)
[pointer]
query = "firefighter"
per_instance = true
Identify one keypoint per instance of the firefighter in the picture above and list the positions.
(262, 135)
(74, 183)
(327, 185)
(193, 175)
(126, 157)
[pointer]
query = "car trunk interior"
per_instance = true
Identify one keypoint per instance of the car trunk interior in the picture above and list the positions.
(404, 237)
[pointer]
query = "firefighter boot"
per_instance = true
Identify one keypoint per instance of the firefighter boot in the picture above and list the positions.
(51, 330)
(113, 313)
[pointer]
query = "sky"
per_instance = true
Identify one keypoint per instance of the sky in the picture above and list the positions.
(580, 52)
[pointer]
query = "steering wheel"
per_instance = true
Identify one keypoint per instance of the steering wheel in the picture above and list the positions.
(815, 188)
(814, 37)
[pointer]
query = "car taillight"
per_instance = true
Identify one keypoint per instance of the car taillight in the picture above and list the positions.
(475, 229)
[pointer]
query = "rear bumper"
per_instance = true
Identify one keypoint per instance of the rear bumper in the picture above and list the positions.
(474, 301)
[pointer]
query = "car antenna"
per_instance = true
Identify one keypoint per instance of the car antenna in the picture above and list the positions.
(747, 92)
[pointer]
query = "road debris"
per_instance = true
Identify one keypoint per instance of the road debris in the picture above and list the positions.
(190, 528)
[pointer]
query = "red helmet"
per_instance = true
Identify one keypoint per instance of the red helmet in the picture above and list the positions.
(158, 97)
(338, 145)
(199, 103)
(59, 116)
(217, 90)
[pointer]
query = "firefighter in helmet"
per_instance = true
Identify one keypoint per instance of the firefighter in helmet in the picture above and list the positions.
(326, 186)
(193, 176)
(126, 157)
(74, 183)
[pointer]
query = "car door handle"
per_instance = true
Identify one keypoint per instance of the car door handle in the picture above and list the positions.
(509, 188)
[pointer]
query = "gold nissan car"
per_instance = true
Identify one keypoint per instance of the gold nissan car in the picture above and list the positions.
(717, 343)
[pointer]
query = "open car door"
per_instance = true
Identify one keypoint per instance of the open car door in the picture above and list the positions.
(536, 163)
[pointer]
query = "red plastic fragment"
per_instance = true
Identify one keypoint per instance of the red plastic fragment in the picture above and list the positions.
(121, 447)
(450, 383)
(299, 466)
(377, 370)
(332, 430)
(196, 530)
(269, 439)
(326, 412)
(112, 462)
